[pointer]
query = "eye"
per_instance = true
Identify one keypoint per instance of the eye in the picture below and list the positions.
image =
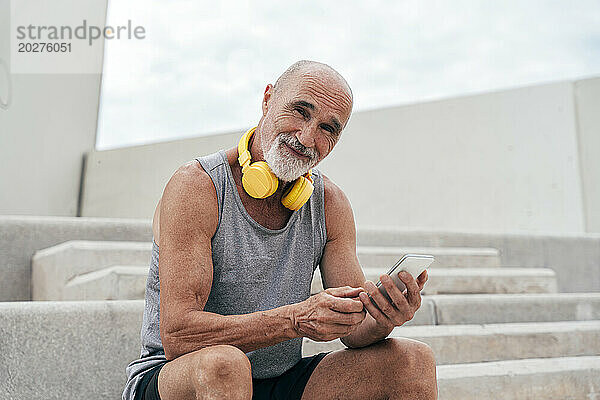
(301, 111)
(328, 128)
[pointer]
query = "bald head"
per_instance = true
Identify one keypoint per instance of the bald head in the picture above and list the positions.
(304, 114)
(307, 68)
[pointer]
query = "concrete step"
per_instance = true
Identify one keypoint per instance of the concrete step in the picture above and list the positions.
(499, 308)
(454, 344)
(473, 280)
(106, 334)
(118, 282)
(460, 309)
(483, 280)
(53, 267)
(67, 349)
(572, 378)
(465, 257)
(22, 235)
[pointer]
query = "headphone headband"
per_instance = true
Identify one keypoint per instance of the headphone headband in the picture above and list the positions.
(244, 155)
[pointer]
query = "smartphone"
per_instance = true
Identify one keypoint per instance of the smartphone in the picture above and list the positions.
(413, 263)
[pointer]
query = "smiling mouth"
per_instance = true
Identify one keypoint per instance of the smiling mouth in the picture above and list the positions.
(295, 152)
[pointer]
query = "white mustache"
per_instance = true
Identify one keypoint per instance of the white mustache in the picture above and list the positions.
(299, 147)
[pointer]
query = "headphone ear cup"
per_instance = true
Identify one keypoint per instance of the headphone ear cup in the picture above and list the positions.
(259, 181)
(298, 194)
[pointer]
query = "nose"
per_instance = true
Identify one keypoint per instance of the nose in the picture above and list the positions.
(306, 136)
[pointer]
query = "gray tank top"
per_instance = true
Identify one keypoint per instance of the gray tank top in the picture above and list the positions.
(254, 269)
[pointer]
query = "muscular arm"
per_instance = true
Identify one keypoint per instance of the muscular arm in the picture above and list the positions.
(188, 220)
(339, 264)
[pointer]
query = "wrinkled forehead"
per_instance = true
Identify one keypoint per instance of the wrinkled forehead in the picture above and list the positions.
(327, 91)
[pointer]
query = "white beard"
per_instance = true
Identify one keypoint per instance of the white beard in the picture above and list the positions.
(285, 165)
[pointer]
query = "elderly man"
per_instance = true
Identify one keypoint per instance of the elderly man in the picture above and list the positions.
(240, 233)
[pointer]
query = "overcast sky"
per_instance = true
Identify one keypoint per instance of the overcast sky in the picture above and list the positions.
(203, 66)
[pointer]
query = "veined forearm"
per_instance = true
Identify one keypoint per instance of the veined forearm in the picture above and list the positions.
(367, 333)
(247, 332)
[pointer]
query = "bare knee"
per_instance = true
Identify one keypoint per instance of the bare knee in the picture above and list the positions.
(409, 352)
(224, 369)
(223, 361)
(413, 362)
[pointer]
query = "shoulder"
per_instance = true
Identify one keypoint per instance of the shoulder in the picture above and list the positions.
(191, 172)
(333, 194)
(190, 196)
(339, 217)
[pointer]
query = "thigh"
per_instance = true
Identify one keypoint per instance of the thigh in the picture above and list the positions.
(362, 373)
(175, 378)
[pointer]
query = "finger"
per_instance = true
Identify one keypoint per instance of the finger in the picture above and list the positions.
(344, 330)
(413, 296)
(373, 310)
(422, 279)
(344, 291)
(334, 317)
(382, 303)
(337, 330)
(398, 299)
(345, 305)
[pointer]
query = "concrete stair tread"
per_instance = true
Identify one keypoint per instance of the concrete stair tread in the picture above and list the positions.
(93, 245)
(535, 378)
(492, 329)
(103, 273)
(453, 309)
(492, 342)
(457, 271)
(517, 367)
(54, 267)
(514, 296)
(386, 256)
(119, 282)
(507, 328)
(458, 309)
(469, 251)
(482, 280)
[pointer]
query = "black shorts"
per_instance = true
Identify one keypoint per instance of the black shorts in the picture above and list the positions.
(288, 386)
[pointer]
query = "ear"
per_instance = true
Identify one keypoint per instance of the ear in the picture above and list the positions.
(266, 98)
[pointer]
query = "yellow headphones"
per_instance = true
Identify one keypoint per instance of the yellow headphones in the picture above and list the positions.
(259, 181)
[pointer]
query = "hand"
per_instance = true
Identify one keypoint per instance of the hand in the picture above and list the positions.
(403, 306)
(330, 314)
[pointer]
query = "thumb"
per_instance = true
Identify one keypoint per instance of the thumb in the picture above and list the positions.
(422, 279)
(344, 291)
